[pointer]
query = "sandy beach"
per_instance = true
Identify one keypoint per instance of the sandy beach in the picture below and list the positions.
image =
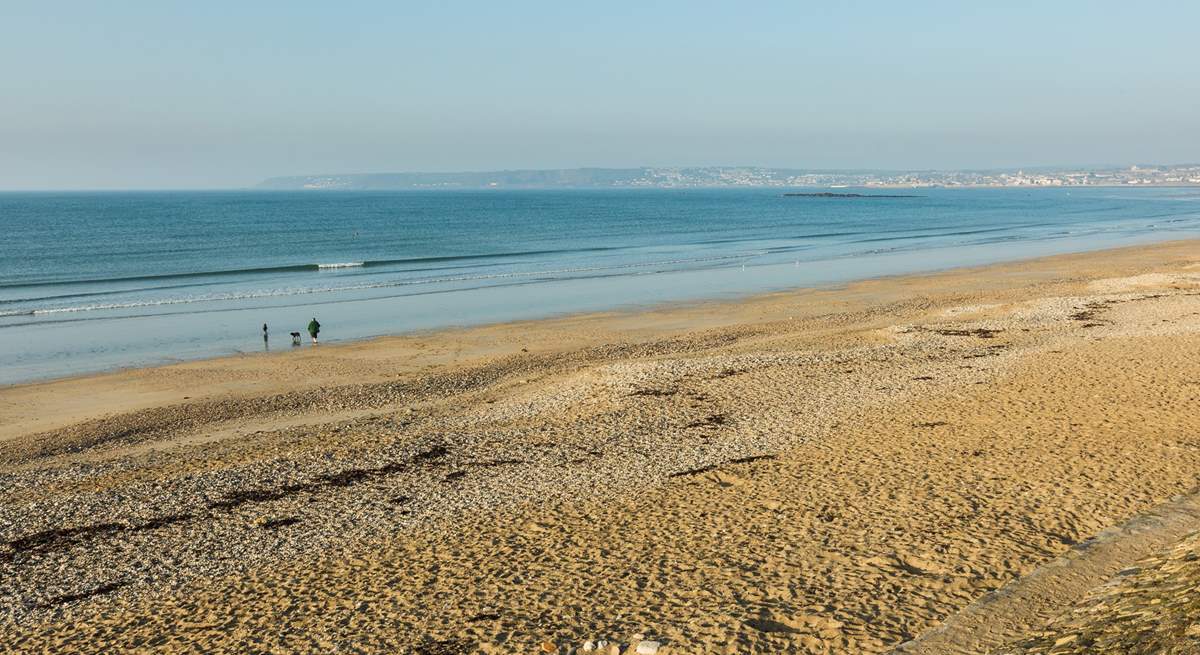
(942, 463)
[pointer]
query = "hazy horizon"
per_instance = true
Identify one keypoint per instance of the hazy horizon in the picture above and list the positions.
(149, 96)
(258, 185)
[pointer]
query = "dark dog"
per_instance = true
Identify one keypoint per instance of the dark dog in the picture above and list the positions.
(295, 338)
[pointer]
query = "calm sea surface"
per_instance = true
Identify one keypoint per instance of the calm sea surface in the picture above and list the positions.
(95, 281)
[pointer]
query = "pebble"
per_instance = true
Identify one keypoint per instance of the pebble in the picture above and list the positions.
(647, 648)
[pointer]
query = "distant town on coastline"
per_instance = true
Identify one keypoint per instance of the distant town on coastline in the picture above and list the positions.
(747, 176)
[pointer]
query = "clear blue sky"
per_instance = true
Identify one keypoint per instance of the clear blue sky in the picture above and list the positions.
(131, 94)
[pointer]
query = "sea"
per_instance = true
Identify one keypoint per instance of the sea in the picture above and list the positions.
(96, 281)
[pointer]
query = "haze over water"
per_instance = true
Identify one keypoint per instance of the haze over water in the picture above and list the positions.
(95, 281)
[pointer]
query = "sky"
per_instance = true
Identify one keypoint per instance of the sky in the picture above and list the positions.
(216, 94)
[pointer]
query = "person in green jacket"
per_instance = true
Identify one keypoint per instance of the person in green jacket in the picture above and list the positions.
(313, 328)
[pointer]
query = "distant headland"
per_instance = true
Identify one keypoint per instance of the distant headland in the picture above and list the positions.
(827, 194)
(718, 177)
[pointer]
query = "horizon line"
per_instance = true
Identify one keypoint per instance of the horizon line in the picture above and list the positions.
(257, 186)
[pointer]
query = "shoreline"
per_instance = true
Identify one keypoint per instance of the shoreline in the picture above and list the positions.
(628, 311)
(830, 470)
(157, 327)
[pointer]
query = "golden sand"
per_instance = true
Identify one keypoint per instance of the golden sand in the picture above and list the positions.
(820, 471)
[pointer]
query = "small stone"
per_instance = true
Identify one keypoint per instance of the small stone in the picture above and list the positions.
(1065, 640)
(647, 648)
(811, 643)
(549, 647)
(588, 646)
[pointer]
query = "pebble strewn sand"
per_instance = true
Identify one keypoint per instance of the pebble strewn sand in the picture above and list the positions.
(827, 471)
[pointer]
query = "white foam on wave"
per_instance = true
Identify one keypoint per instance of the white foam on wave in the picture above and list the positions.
(341, 265)
(297, 291)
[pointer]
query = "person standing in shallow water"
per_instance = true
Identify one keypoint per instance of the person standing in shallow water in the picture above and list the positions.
(313, 328)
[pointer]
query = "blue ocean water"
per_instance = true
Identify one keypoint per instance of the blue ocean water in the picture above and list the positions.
(95, 281)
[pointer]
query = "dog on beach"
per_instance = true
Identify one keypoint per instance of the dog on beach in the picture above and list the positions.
(295, 338)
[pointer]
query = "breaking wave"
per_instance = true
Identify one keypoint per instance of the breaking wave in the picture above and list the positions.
(563, 273)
